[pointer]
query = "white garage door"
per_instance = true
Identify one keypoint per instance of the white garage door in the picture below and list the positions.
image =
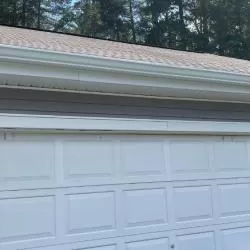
(124, 192)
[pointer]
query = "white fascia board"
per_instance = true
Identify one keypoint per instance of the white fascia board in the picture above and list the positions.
(120, 125)
(26, 67)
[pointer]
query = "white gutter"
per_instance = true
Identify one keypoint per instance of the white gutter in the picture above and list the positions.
(25, 67)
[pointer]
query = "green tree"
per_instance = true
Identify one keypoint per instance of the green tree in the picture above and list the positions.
(230, 28)
(132, 21)
(87, 17)
(215, 26)
(114, 18)
(155, 13)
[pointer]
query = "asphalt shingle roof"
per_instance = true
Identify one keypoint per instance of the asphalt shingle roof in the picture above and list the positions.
(63, 43)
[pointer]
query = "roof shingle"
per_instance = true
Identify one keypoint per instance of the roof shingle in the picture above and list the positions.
(63, 43)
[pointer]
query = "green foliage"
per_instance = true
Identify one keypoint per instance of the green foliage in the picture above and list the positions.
(213, 26)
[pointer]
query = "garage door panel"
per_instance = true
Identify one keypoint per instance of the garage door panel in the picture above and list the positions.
(27, 218)
(196, 241)
(193, 204)
(25, 162)
(112, 247)
(231, 156)
(88, 159)
(235, 238)
(189, 158)
(77, 246)
(144, 208)
(142, 158)
(90, 212)
(152, 244)
(233, 201)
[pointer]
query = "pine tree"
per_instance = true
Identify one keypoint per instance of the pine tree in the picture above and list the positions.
(87, 17)
(215, 26)
(132, 21)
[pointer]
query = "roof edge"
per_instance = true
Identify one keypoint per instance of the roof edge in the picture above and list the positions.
(78, 68)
